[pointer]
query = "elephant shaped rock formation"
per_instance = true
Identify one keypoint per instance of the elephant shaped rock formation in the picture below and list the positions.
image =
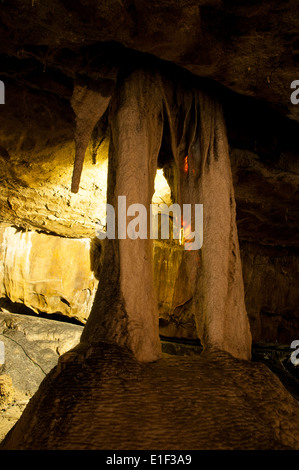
(125, 308)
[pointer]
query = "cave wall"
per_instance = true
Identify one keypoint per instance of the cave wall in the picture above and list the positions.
(46, 273)
(271, 276)
(248, 46)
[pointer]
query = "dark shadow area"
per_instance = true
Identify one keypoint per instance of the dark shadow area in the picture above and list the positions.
(96, 257)
(18, 307)
(277, 358)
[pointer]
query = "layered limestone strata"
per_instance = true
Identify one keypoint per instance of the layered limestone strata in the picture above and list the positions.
(47, 273)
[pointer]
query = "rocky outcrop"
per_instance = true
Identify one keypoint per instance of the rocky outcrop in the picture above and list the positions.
(32, 347)
(37, 153)
(47, 273)
(206, 402)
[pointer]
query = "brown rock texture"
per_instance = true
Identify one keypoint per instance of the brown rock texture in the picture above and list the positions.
(270, 276)
(61, 62)
(271, 292)
(211, 401)
(37, 154)
(247, 46)
(32, 347)
(173, 291)
(267, 198)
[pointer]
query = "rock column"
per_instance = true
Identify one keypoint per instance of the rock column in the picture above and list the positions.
(125, 308)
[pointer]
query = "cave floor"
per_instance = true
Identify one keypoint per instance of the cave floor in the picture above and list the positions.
(102, 398)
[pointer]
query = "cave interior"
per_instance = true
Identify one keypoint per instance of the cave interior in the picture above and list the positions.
(164, 103)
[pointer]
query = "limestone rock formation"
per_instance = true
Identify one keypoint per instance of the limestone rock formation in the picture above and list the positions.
(125, 308)
(249, 47)
(271, 292)
(81, 83)
(37, 153)
(69, 285)
(33, 346)
(46, 273)
(174, 292)
(6, 389)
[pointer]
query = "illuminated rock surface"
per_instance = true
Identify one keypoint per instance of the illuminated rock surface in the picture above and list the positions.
(47, 273)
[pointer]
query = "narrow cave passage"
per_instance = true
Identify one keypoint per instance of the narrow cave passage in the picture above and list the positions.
(176, 318)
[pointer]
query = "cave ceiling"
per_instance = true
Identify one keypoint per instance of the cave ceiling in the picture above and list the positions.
(252, 47)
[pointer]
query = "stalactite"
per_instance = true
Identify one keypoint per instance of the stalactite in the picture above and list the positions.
(89, 106)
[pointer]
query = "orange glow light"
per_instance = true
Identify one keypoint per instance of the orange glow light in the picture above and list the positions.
(185, 232)
(186, 164)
